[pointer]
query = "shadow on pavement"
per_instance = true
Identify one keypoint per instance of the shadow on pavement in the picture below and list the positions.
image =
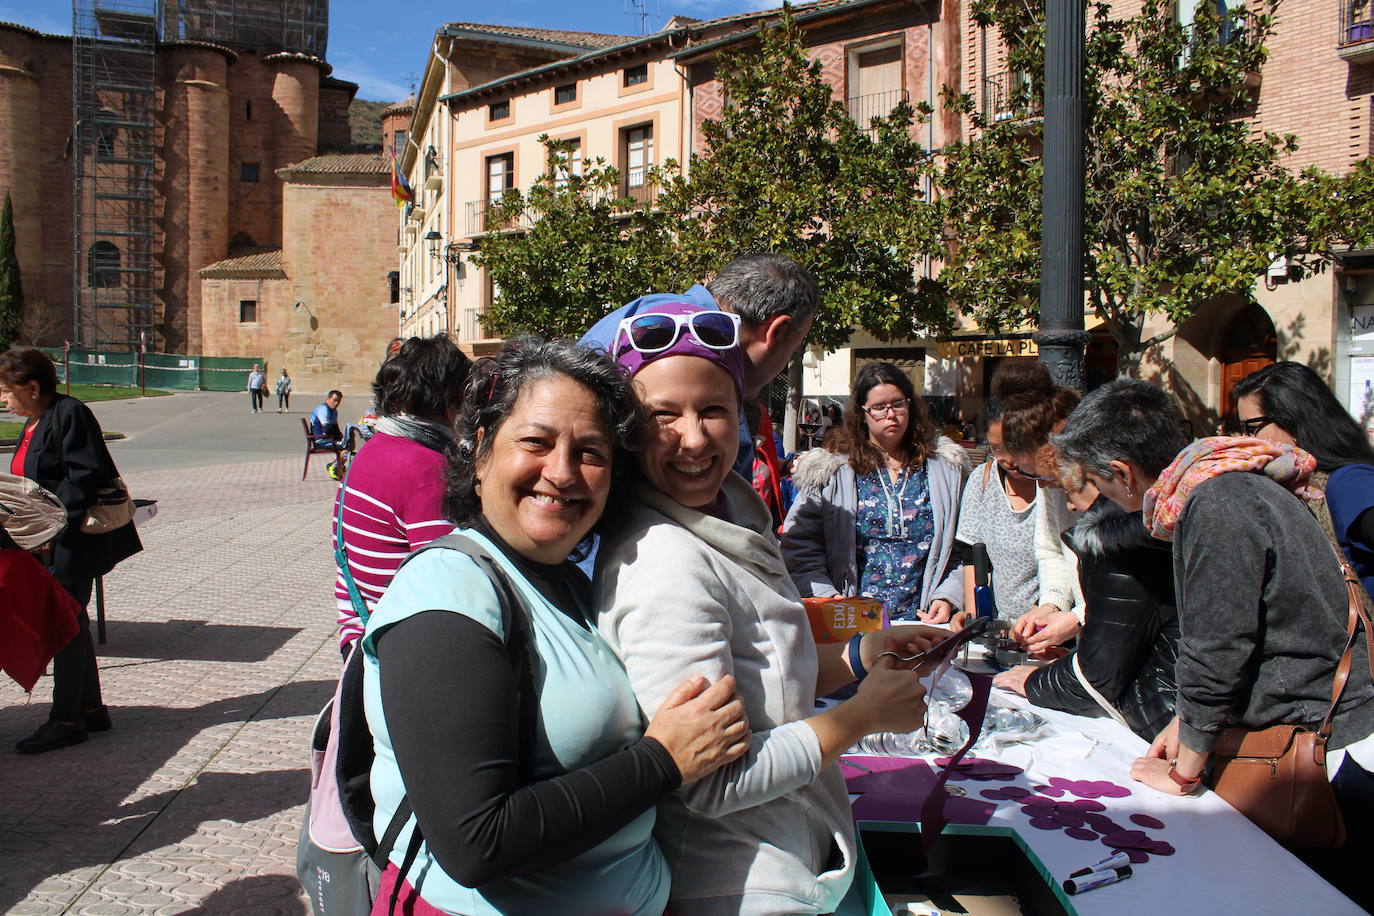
(193, 640)
(276, 894)
(70, 809)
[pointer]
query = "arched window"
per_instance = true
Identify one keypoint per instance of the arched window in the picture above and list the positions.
(102, 265)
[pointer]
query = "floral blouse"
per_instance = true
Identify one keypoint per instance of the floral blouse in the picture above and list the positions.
(896, 525)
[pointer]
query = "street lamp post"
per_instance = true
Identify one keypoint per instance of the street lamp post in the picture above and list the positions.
(1061, 338)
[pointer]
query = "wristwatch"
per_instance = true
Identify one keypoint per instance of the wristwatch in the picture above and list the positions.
(1189, 786)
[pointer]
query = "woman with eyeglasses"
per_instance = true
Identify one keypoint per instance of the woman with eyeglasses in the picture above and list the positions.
(877, 516)
(692, 583)
(1289, 403)
(1033, 406)
(1262, 605)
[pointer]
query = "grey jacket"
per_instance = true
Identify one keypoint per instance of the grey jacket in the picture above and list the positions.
(820, 542)
(679, 593)
(1263, 610)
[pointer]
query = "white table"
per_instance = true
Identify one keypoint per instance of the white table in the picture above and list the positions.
(1223, 864)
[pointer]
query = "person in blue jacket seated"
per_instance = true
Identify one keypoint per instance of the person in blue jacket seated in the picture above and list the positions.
(324, 426)
(776, 299)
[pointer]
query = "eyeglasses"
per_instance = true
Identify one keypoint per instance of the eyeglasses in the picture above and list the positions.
(1252, 426)
(878, 411)
(655, 333)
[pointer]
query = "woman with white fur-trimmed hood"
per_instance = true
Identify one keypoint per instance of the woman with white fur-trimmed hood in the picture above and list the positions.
(877, 517)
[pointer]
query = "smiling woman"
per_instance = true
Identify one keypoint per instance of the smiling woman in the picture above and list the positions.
(536, 796)
(691, 583)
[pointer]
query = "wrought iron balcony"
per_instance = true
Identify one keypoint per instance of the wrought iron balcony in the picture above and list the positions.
(1005, 97)
(864, 108)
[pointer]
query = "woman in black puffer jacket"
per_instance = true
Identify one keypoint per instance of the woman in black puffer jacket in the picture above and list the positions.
(1129, 642)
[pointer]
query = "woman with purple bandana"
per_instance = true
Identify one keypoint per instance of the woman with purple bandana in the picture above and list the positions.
(692, 582)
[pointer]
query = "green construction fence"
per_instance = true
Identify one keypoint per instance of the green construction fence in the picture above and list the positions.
(168, 371)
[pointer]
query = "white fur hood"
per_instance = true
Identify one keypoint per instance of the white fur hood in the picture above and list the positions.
(815, 468)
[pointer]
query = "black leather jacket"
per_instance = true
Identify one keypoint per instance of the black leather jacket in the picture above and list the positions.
(1129, 643)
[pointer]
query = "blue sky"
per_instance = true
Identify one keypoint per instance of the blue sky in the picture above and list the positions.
(379, 45)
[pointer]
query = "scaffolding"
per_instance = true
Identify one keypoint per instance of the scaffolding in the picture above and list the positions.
(300, 26)
(115, 282)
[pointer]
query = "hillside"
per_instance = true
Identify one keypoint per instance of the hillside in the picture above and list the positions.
(365, 121)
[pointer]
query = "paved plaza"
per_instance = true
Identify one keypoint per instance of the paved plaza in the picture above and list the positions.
(221, 650)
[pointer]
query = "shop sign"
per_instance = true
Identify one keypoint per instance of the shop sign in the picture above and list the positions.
(964, 349)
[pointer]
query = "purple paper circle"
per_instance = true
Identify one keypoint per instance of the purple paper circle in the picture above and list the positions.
(1059, 782)
(1051, 791)
(1116, 792)
(1044, 823)
(994, 794)
(1137, 856)
(1146, 820)
(1068, 818)
(1036, 801)
(1080, 833)
(1161, 848)
(1015, 792)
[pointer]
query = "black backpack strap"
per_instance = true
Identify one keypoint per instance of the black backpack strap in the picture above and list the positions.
(515, 622)
(393, 830)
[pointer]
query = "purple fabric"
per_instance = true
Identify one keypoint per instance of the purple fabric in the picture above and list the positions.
(933, 818)
(896, 789)
(731, 360)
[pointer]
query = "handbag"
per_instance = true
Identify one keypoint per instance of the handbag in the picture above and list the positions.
(112, 509)
(1276, 776)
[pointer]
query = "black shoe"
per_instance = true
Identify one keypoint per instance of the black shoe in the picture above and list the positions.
(97, 720)
(52, 735)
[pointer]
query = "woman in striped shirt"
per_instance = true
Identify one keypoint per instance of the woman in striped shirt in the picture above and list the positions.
(393, 502)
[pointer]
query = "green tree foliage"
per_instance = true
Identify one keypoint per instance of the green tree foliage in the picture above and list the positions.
(568, 250)
(785, 170)
(1183, 202)
(11, 286)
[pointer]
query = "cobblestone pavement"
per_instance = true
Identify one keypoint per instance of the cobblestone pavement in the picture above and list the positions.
(221, 650)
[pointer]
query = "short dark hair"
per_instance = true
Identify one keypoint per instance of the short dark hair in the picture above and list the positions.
(760, 285)
(1297, 399)
(919, 442)
(1125, 420)
(424, 379)
(22, 365)
(332, 392)
(494, 387)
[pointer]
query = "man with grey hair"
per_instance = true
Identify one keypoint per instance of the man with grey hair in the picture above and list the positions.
(776, 299)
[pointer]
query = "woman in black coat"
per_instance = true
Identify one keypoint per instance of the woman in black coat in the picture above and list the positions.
(63, 449)
(1129, 643)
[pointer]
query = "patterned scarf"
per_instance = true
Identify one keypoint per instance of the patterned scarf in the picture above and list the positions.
(428, 433)
(1287, 465)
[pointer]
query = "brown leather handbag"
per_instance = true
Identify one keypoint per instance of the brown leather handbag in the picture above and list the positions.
(1276, 776)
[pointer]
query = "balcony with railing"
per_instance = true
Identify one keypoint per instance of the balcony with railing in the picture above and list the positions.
(479, 219)
(1233, 27)
(1356, 39)
(1006, 97)
(864, 108)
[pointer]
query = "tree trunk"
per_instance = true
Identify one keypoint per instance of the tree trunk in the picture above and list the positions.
(793, 412)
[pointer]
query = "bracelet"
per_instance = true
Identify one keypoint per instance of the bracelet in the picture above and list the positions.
(856, 661)
(1189, 786)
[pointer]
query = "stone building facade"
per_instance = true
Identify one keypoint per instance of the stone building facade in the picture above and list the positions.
(226, 122)
(320, 305)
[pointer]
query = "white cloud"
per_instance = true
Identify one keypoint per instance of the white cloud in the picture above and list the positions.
(374, 85)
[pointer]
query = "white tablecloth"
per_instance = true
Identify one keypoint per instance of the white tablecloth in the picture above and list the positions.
(1223, 864)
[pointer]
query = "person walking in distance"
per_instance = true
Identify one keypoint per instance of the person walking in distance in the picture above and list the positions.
(283, 392)
(257, 383)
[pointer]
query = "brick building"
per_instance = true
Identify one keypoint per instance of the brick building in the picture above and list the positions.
(320, 305)
(222, 121)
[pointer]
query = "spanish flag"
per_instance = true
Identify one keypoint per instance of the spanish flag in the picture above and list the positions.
(401, 192)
